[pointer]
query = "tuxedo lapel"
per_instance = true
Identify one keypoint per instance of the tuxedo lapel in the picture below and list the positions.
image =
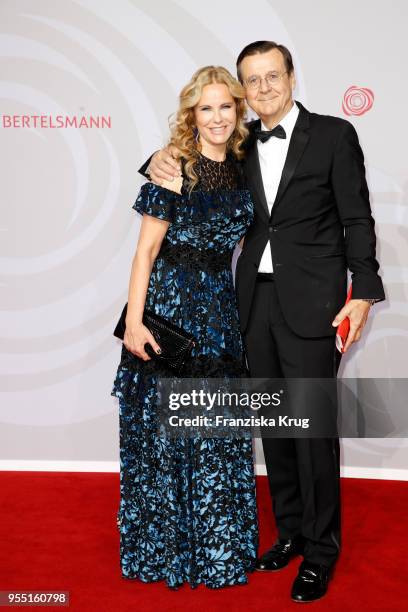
(297, 145)
(254, 178)
(300, 138)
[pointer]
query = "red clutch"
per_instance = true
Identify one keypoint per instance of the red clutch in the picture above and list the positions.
(343, 329)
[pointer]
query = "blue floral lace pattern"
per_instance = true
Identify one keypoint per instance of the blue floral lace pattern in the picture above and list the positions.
(187, 507)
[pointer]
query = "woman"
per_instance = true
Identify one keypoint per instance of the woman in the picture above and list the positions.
(187, 509)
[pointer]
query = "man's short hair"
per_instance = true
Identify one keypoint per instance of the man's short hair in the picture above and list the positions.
(263, 46)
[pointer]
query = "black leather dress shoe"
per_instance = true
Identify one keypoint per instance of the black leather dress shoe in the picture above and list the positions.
(311, 582)
(279, 555)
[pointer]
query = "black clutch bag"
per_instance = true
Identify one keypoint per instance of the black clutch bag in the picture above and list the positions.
(176, 345)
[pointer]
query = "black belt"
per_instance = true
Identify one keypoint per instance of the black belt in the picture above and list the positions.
(263, 277)
(191, 257)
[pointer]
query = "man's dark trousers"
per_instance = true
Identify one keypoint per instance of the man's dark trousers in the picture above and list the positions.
(303, 473)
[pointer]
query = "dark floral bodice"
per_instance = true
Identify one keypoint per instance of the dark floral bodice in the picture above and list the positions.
(191, 282)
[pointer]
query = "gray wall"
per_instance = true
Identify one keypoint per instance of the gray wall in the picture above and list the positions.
(68, 232)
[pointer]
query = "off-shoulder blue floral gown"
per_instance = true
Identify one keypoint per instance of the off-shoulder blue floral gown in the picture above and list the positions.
(187, 507)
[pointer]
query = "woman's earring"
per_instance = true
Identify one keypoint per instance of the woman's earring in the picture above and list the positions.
(196, 134)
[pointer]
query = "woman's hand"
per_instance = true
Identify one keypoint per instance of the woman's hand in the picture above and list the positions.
(136, 336)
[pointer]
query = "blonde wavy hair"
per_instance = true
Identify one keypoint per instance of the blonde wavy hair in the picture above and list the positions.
(182, 127)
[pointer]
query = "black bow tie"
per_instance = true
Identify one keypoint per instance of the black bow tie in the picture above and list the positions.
(277, 131)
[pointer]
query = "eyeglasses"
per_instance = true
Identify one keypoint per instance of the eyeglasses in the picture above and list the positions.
(272, 78)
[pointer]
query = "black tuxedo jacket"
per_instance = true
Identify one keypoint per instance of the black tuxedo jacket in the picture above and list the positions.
(320, 226)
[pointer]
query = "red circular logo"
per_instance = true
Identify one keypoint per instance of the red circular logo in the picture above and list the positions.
(357, 100)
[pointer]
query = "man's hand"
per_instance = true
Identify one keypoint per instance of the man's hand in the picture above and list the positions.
(357, 312)
(164, 165)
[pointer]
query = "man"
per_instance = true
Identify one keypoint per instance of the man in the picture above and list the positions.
(312, 222)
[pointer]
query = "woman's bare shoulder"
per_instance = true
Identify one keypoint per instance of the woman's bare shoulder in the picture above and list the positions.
(174, 185)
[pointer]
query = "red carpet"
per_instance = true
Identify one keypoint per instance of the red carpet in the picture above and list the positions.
(58, 532)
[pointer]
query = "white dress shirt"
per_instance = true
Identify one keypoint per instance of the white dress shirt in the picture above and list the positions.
(272, 156)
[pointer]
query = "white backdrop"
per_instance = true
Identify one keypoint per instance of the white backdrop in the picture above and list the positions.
(68, 232)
